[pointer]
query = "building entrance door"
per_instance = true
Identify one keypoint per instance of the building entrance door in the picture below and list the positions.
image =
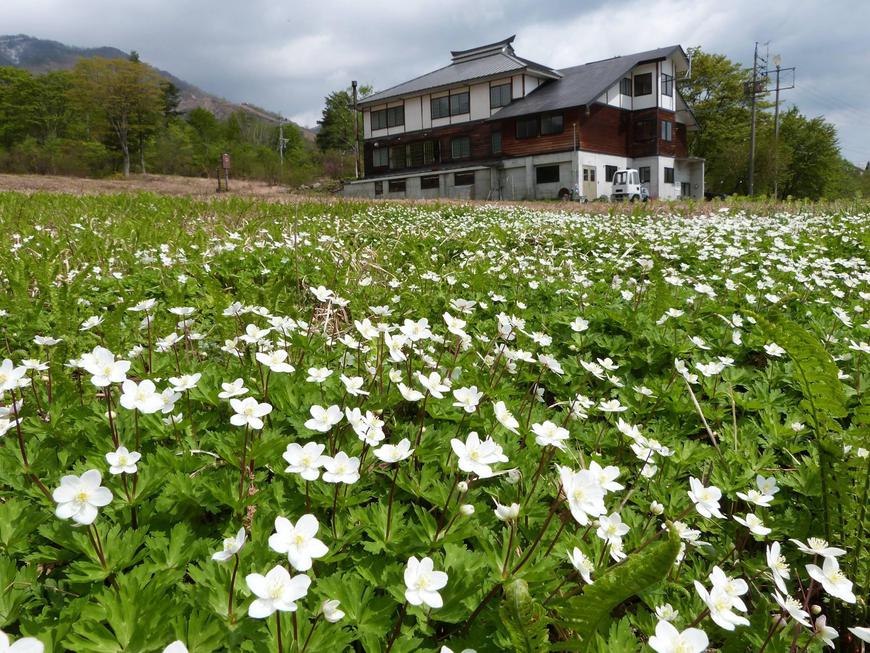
(590, 188)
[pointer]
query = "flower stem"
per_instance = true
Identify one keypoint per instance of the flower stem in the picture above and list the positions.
(310, 633)
(233, 589)
(396, 628)
(278, 631)
(390, 504)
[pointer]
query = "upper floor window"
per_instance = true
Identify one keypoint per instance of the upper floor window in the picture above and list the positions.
(667, 85)
(625, 86)
(527, 127)
(440, 107)
(380, 157)
(552, 124)
(667, 130)
(459, 103)
(499, 96)
(495, 142)
(644, 130)
(460, 147)
(643, 84)
(391, 117)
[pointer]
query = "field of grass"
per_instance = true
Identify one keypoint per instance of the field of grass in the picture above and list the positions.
(249, 426)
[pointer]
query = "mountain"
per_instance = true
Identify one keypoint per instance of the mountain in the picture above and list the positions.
(41, 56)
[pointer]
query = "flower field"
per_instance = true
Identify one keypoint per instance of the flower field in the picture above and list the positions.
(248, 426)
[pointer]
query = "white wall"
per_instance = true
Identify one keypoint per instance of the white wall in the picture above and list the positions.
(479, 101)
(599, 161)
(645, 101)
(667, 67)
(413, 114)
(654, 172)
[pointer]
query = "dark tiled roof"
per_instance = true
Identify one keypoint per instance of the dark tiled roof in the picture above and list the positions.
(580, 85)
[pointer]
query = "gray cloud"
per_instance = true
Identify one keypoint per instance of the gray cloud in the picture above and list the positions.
(286, 56)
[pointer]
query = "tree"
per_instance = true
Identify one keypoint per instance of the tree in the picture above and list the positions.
(815, 168)
(120, 96)
(336, 124)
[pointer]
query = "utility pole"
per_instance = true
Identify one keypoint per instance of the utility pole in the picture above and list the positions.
(356, 161)
(777, 61)
(753, 90)
(281, 142)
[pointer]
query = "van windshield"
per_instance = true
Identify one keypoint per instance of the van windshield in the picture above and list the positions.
(620, 177)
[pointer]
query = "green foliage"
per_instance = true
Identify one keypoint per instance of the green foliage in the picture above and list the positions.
(524, 618)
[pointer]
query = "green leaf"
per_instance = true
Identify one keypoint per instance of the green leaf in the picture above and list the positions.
(524, 619)
(585, 612)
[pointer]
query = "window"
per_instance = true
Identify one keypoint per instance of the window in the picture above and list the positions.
(396, 185)
(379, 119)
(495, 142)
(669, 175)
(414, 154)
(499, 96)
(397, 157)
(685, 189)
(644, 130)
(428, 152)
(440, 107)
(527, 127)
(379, 188)
(396, 116)
(460, 147)
(380, 157)
(609, 171)
(588, 173)
(625, 86)
(642, 84)
(459, 104)
(553, 124)
(644, 174)
(667, 85)
(547, 174)
(667, 130)
(429, 183)
(463, 179)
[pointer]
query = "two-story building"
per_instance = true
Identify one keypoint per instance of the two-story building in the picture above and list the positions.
(492, 125)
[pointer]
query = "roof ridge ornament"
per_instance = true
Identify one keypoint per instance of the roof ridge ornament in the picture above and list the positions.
(481, 51)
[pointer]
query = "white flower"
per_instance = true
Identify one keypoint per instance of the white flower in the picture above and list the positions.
(23, 645)
(142, 396)
(793, 608)
(276, 361)
(753, 523)
(582, 564)
(318, 374)
(720, 604)
(433, 384)
(832, 579)
(766, 485)
(670, 640)
(103, 368)
(467, 398)
(330, 611)
(584, 494)
(354, 385)
(506, 513)
(606, 476)
(778, 566)
(322, 293)
(423, 582)
(79, 497)
(323, 419)
(231, 546)
(706, 499)
(666, 612)
(827, 634)
(123, 461)
(249, 412)
(860, 632)
(817, 546)
(756, 497)
(341, 468)
(298, 541)
(304, 460)
(548, 433)
(409, 394)
(476, 455)
(505, 418)
(579, 325)
(611, 406)
(774, 350)
(185, 382)
(177, 646)
(275, 591)
(233, 389)
(393, 453)
(611, 528)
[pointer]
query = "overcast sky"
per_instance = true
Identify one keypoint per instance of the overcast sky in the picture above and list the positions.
(286, 56)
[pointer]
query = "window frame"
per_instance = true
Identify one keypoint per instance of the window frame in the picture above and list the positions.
(379, 188)
(671, 175)
(625, 85)
(460, 139)
(385, 151)
(465, 175)
(548, 168)
(493, 136)
(546, 118)
(644, 178)
(667, 130)
(500, 87)
(644, 130)
(640, 84)
(392, 112)
(381, 119)
(609, 171)
(428, 180)
(667, 85)
(444, 99)
(527, 121)
(393, 185)
(459, 111)
(395, 162)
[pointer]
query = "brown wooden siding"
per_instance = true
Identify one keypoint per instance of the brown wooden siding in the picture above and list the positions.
(601, 128)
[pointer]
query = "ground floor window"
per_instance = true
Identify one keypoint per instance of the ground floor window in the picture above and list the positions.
(380, 157)
(686, 189)
(429, 183)
(460, 147)
(463, 179)
(396, 186)
(379, 188)
(547, 174)
(609, 171)
(588, 173)
(669, 175)
(644, 174)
